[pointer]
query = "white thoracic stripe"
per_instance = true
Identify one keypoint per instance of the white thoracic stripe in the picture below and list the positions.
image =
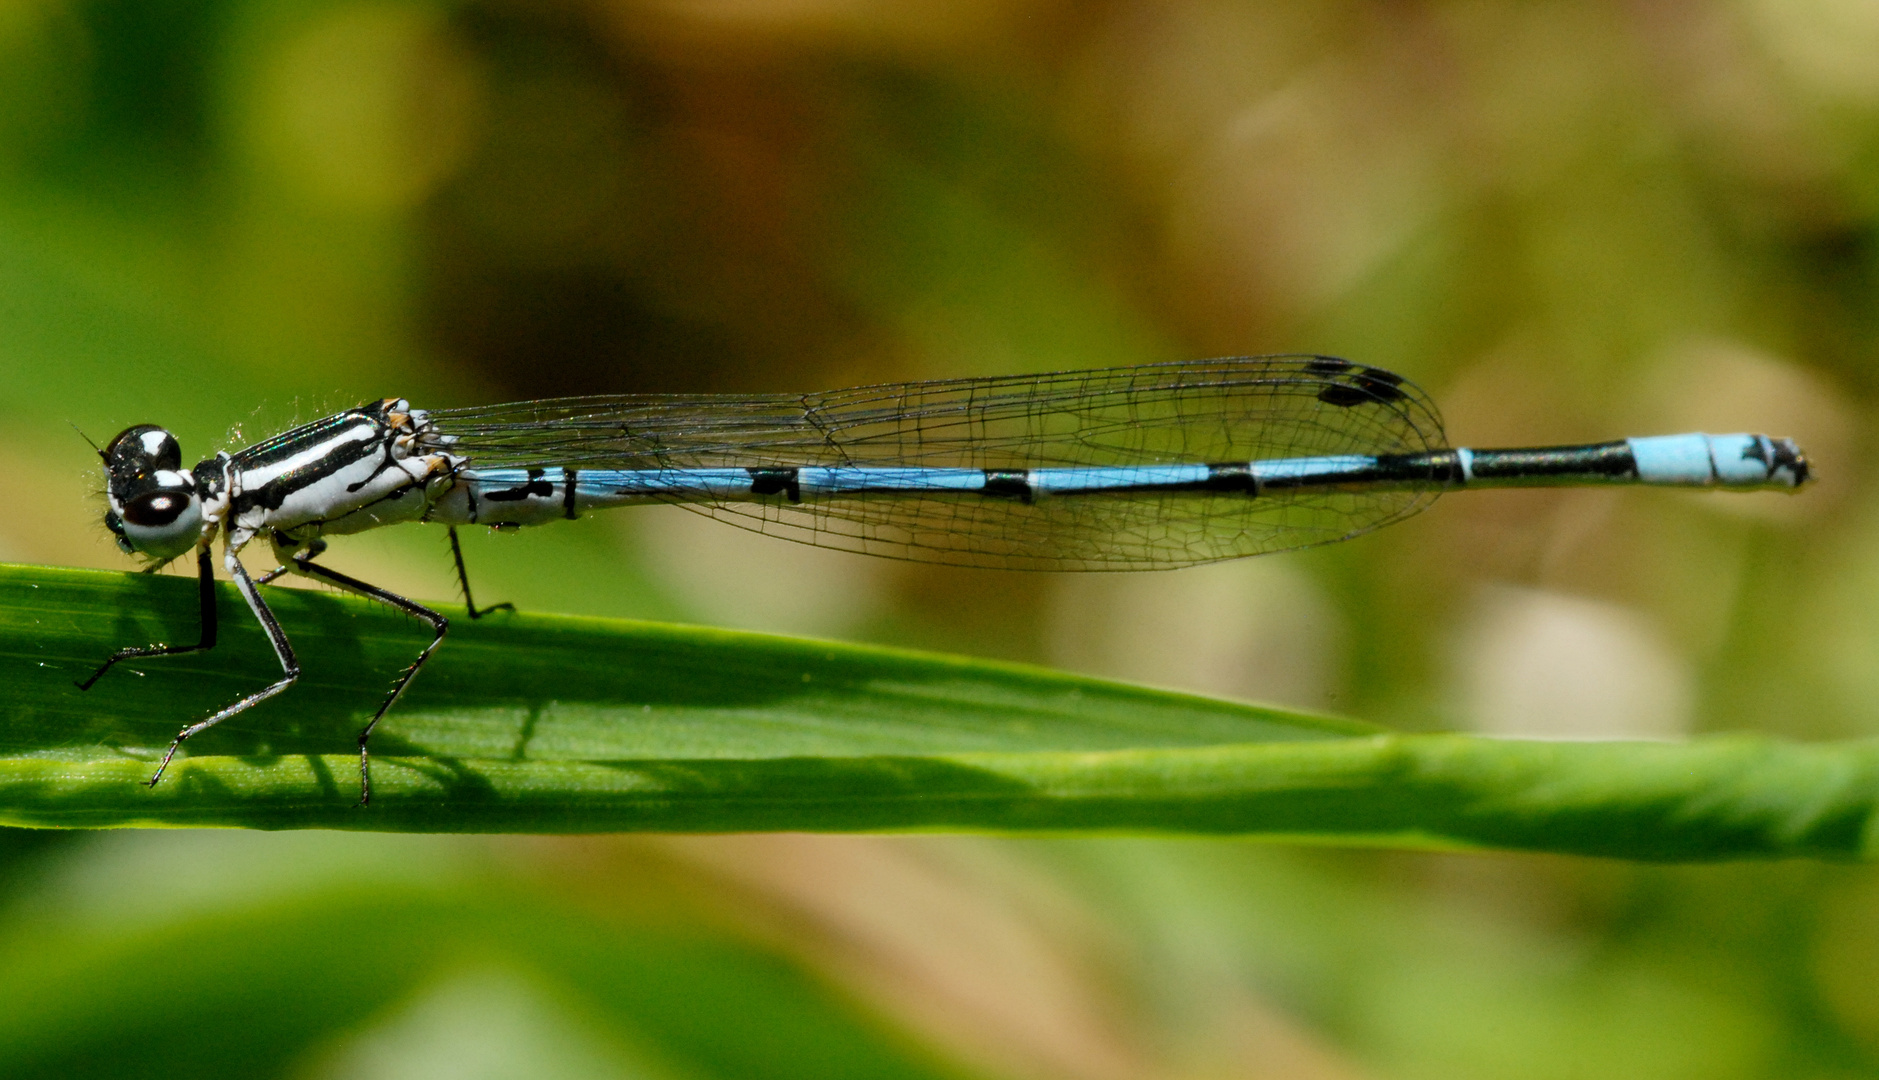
(261, 475)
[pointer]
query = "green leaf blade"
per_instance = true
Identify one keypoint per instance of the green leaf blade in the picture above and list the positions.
(542, 723)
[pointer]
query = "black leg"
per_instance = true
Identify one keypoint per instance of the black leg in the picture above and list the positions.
(463, 579)
(290, 667)
(205, 594)
(303, 564)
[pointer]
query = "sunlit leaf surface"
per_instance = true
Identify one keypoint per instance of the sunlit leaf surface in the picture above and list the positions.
(556, 724)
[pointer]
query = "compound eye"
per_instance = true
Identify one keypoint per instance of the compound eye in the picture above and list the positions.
(155, 509)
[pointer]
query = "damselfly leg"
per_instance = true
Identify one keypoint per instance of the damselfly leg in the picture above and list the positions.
(313, 551)
(304, 564)
(463, 579)
(300, 563)
(205, 593)
(283, 651)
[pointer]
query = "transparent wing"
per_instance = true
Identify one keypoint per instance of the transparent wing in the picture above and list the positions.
(1212, 412)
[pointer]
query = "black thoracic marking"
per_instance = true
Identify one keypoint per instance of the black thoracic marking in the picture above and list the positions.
(1010, 484)
(567, 495)
(389, 462)
(536, 487)
(318, 524)
(1328, 365)
(338, 454)
(1237, 477)
(384, 436)
(326, 435)
(772, 481)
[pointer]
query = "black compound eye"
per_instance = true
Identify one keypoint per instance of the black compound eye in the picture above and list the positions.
(155, 509)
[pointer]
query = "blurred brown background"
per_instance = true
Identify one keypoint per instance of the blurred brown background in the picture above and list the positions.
(1567, 221)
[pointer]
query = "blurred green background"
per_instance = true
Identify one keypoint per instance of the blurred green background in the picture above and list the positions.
(1569, 221)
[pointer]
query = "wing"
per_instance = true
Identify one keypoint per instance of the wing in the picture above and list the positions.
(1213, 412)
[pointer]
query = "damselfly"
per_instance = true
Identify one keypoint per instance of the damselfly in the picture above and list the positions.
(1139, 468)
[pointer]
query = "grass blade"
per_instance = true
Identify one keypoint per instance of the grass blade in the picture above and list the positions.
(541, 723)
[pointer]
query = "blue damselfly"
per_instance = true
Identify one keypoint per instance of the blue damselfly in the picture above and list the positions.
(1139, 468)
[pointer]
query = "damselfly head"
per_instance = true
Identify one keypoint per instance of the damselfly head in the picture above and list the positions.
(155, 507)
